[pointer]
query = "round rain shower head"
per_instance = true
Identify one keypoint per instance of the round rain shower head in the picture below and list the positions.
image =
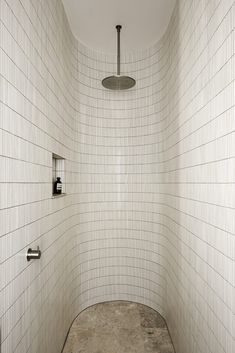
(118, 82)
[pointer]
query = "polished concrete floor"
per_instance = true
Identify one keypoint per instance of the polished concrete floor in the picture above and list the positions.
(118, 327)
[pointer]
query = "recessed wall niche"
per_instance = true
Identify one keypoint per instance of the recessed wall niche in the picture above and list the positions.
(58, 171)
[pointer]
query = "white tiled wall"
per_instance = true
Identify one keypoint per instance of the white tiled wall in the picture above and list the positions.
(148, 214)
(121, 236)
(199, 177)
(38, 58)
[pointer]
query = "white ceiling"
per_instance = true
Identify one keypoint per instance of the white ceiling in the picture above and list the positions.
(143, 22)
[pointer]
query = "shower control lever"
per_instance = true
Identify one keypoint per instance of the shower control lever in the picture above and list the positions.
(33, 254)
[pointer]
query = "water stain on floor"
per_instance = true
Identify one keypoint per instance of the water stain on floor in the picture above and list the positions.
(119, 327)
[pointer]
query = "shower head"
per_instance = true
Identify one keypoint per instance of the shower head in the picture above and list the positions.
(118, 82)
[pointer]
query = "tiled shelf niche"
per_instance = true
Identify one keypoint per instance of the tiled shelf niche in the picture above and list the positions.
(58, 170)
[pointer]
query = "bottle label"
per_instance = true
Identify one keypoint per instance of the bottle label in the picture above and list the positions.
(58, 186)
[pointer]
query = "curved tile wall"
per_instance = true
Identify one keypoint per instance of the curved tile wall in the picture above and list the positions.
(148, 214)
(121, 240)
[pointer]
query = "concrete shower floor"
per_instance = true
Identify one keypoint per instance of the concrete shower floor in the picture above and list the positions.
(119, 327)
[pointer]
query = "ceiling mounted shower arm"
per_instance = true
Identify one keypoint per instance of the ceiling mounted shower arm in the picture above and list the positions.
(118, 82)
(118, 27)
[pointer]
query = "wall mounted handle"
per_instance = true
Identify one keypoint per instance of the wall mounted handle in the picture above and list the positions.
(33, 254)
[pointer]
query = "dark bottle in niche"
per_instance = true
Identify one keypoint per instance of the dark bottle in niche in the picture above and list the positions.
(57, 186)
